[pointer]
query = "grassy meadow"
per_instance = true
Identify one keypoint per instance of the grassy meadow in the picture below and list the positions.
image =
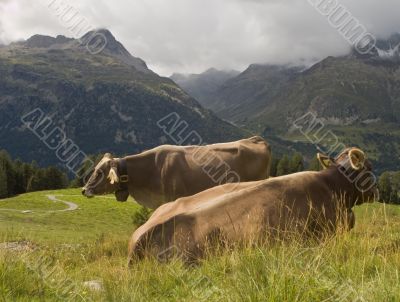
(54, 253)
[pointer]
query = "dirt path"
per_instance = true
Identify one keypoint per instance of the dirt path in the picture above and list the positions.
(71, 206)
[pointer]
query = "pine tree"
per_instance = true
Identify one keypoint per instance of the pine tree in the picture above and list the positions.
(283, 166)
(39, 180)
(314, 165)
(274, 166)
(8, 169)
(19, 177)
(54, 178)
(3, 181)
(396, 187)
(29, 175)
(296, 163)
(385, 187)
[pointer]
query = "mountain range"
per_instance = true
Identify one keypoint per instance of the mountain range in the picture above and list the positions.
(104, 102)
(355, 96)
(112, 102)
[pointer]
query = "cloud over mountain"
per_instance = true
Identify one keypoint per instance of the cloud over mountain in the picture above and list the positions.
(192, 35)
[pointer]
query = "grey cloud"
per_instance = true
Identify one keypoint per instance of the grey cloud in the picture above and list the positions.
(192, 35)
(2, 34)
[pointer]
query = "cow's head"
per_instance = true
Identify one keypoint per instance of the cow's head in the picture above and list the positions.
(104, 179)
(355, 166)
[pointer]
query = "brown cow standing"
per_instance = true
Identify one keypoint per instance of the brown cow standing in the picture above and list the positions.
(308, 202)
(168, 172)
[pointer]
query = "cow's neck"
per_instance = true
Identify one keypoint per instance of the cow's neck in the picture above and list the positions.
(135, 171)
(140, 169)
(342, 187)
(144, 181)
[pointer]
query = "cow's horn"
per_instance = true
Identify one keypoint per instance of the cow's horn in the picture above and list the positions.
(113, 176)
(357, 158)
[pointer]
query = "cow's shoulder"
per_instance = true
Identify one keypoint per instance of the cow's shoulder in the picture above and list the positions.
(296, 185)
(230, 148)
(297, 179)
(162, 153)
(256, 143)
(168, 148)
(255, 140)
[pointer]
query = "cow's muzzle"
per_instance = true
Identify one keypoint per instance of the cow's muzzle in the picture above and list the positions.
(88, 193)
(122, 195)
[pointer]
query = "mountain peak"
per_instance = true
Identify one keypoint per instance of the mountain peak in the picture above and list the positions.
(211, 70)
(105, 41)
(105, 32)
(95, 41)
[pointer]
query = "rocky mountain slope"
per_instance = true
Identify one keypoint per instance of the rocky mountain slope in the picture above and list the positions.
(108, 101)
(244, 96)
(358, 99)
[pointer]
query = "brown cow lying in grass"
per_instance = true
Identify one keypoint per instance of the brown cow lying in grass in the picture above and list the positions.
(305, 202)
(168, 172)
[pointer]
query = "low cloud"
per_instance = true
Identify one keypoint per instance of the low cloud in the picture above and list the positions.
(192, 35)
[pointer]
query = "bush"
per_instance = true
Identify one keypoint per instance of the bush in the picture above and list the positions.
(141, 216)
(389, 187)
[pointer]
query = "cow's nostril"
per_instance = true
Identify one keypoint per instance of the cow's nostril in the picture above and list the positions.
(83, 191)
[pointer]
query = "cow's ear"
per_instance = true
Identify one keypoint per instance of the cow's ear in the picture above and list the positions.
(108, 155)
(324, 160)
(113, 175)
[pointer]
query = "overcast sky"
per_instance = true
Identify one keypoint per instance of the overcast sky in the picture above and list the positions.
(193, 35)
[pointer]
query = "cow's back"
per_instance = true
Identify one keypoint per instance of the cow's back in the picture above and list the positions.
(156, 232)
(180, 171)
(248, 158)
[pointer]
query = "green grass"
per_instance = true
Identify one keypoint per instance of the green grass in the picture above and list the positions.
(91, 244)
(100, 216)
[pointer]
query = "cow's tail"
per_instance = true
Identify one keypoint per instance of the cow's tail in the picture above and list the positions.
(135, 251)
